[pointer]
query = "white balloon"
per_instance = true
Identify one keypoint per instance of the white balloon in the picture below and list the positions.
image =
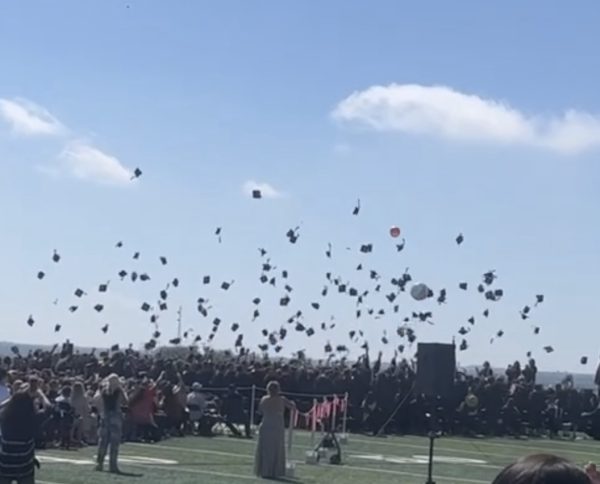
(419, 291)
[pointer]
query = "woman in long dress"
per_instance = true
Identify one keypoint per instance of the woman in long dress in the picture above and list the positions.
(269, 460)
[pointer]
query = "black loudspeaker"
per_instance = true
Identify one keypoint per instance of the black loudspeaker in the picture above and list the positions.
(436, 368)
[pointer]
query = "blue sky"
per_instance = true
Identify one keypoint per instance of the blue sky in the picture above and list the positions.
(466, 132)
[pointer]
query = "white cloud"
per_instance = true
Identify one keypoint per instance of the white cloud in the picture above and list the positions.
(27, 118)
(267, 190)
(86, 162)
(444, 112)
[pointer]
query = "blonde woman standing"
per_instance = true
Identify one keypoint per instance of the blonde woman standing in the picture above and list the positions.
(270, 451)
(109, 400)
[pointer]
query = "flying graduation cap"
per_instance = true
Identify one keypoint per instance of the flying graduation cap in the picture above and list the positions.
(256, 194)
(459, 239)
(356, 210)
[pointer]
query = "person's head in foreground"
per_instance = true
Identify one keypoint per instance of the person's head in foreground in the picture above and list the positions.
(273, 388)
(542, 469)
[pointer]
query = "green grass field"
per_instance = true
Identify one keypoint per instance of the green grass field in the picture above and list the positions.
(374, 460)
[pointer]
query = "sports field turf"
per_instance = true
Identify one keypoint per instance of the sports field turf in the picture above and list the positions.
(365, 460)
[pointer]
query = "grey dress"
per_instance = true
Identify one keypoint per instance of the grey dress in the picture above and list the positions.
(269, 461)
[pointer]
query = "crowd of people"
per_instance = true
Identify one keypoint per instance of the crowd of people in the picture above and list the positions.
(189, 393)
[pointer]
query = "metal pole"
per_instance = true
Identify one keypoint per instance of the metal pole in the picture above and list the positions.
(313, 426)
(345, 419)
(334, 414)
(252, 409)
(291, 432)
(430, 466)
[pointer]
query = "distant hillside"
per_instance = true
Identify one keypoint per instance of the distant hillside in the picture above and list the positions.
(5, 348)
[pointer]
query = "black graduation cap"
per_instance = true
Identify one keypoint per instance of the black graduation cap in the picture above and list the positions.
(525, 312)
(316, 305)
(548, 349)
(136, 255)
(528, 354)
(384, 340)
(162, 306)
(300, 327)
(40, 275)
(366, 248)
(536, 330)
(583, 360)
(463, 286)
(284, 301)
(263, 347)
(328, 251)
(353, 292)
(292, 235)
(500, 333)
(288, 288)
(216, 322)
(310, 332)
(175, 282)
(463, 345)
(57, 328)
(79, 292)
(262, 251)
(373, 275)
(163, 295)
(144, 277)
(442, 297)
(255, 315)
(99, 307)
(323, 326)
(471, 320)
(55, 257)
(103, 287)
(265, 332)
(284, 274)
(462, 331)
(381, 312)
(396, 308)
(328, 348)
(114, 348)
(73, 308)
(266, 267)
(342, 288)
(459, 239)
(264, 278)
(137, 172)
(119, 244)
(134, 276)
(156, 334)
(202, 310)
(481, 288)
(122, 274)
(356, 208)
(256, 194)
(351, 333)
(145, 307)
(163, 260)
(175, 341)
(498, 293)
(486, 312)
(150, 345)
(401, 348)
(104, 328)
(272, 281)
(539, 299)
(256, 301)
(225, 285)
(358, 313)
(324, 291)
(400, 246)
(359, 267)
